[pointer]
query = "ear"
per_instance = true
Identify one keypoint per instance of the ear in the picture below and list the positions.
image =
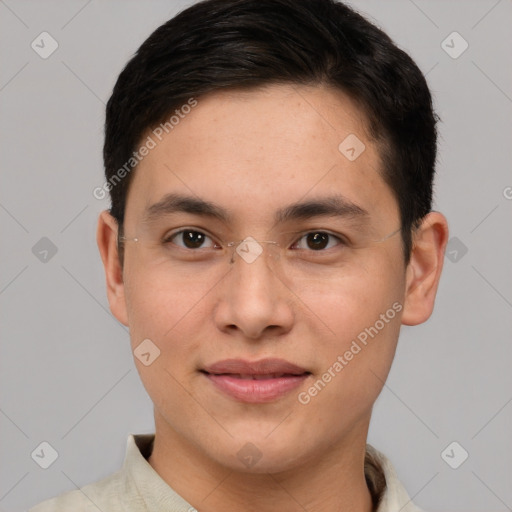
(424, 268)
(106, 237)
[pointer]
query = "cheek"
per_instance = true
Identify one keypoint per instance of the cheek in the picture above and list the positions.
(362, 316)
(158, 305)
(169, 315)
(356, 299)
(355, 362)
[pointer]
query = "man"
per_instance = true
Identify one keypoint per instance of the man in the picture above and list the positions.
(270, 166)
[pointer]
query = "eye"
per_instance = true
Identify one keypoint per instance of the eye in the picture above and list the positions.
(317, 241)
(191, 239)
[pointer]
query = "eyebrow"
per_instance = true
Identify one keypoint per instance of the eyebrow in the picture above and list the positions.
(330, 206)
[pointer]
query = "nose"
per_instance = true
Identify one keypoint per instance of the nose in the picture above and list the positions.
(252, 299)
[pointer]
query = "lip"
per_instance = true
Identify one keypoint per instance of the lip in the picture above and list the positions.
(261, 381)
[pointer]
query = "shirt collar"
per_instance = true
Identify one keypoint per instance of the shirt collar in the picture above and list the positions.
(151, 491)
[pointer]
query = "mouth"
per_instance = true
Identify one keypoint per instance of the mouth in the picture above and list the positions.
(255, 377)
(261, 381)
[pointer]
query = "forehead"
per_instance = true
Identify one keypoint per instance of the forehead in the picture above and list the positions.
(255, 150)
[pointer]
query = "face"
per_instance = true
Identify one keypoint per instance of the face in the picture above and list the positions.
(327, 297)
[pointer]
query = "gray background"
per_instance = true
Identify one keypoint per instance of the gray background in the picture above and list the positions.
(67, 375)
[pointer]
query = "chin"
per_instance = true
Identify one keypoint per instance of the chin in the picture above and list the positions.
(259, 453)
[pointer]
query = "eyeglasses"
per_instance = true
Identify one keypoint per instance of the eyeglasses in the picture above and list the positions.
(203, 255)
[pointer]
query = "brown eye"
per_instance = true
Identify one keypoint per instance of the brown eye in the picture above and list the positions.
(317, 240)
(190, 239)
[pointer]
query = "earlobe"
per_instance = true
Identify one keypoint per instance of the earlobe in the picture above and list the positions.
(424, 268)
(106, 237)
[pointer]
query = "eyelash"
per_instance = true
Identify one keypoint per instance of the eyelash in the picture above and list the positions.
(169, 238)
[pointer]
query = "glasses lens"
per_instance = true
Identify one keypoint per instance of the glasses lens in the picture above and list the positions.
(316, 258)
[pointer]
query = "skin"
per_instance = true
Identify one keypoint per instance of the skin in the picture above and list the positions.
(253, 152)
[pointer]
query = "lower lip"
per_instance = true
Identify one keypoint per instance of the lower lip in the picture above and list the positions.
(256, 391)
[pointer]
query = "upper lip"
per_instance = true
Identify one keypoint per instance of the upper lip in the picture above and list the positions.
(260, 367)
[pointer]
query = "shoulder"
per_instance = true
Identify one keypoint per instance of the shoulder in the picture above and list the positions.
(101, 495)
(380, 474)
(117, 492)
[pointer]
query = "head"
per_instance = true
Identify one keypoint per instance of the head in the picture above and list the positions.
(250, 106)
(219, 45)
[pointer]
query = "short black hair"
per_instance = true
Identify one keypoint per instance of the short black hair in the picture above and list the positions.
(219, 44)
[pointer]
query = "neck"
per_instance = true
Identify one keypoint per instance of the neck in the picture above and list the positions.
(329, 482)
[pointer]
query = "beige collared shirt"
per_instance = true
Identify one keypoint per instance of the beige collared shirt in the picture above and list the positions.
(137, 487)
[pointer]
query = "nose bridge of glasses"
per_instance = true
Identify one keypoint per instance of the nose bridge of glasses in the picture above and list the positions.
(249, 249)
